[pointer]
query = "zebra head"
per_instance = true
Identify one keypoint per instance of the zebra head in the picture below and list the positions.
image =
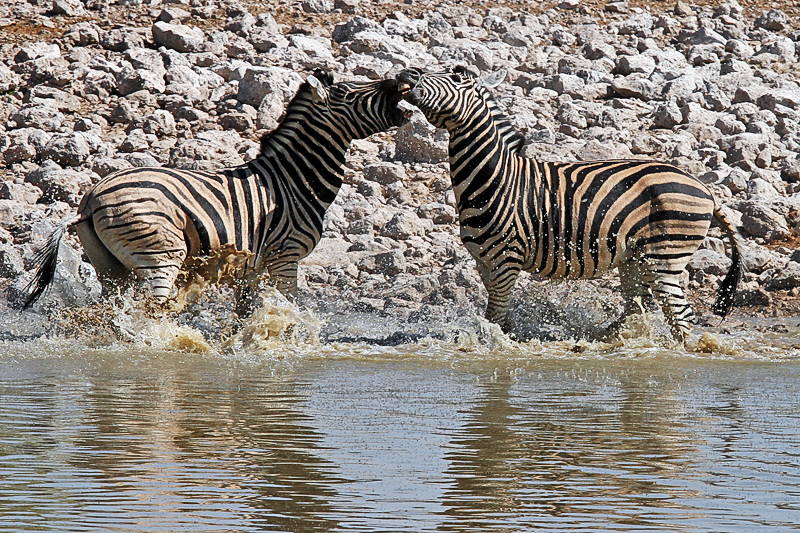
(358, 108)
(449, 98)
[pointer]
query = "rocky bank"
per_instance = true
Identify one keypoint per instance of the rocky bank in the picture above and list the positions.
(89, 87)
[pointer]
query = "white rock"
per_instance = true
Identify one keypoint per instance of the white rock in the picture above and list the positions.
(38, 50)
(261, 81)
(178, 37)
(420, 142)
(312, 47)
(43, 117)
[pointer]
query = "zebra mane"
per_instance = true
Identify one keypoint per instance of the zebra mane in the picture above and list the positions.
(326, 78)
(508, 133)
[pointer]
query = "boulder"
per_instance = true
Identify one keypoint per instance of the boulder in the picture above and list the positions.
(120, 40)
(405, 224)
(761, 221)
(40, 116)
(638, 64)
(259, 82)
(786, 278)
(419, 142)
(437, 212)
(345, 31)
(772, 20)
(130, 80)
(317, 6)
(667, 115)
(212, 150)
(710, 262)
(25, 144)
(58, 184)
(160, 123)
(178, 37)
(755, 297)
(19, 192)
(37, 50)
(384, 173)
(390, 263)
(11, 264)
(53, 97)
(68, 149)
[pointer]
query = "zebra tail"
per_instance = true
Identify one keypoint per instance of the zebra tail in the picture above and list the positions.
(727, 289)
(45, 259)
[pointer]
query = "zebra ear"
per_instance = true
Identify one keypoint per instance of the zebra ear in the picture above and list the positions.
(490, 81)
(318, 92)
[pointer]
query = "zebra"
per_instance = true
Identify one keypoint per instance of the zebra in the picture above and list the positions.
(567, 220)
(144, 224)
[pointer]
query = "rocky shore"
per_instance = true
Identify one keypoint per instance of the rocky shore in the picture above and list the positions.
(89, 87)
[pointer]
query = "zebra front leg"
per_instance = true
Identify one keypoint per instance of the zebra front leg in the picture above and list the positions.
(499, 284)
(245, 291)
(284, 277)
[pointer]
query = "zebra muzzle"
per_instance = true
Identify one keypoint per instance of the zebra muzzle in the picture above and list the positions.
(404, 87)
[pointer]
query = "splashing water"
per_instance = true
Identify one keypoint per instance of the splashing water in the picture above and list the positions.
(141, 322)
(274, 325)
(550, 321)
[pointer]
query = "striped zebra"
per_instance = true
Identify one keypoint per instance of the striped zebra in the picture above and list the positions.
(571, 220)
(145, 223)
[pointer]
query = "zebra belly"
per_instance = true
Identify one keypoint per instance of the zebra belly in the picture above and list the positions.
(676, 240)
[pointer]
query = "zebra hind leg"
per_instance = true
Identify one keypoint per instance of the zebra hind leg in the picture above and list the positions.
(668, 292)
(160, 280)
(110, 270)
(636, 296)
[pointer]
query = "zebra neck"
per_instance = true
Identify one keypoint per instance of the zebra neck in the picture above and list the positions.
(480, 157)
(306, 156)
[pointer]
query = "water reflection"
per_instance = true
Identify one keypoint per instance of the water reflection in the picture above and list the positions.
(484, 462)
(366, 441)
(566, 455)
(167, 449)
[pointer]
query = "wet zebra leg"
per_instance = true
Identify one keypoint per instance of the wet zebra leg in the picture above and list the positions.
(636, 295)
(159, 278)
(500, 286)
(668, 292)
(245, 292)
(284, 276)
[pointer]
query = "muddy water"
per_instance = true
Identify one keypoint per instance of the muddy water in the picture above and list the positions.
(156, 428)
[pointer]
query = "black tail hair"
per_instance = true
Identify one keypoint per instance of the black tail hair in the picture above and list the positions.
(45, 259)
(727, 289)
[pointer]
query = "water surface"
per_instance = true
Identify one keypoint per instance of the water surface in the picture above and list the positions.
(467, 434)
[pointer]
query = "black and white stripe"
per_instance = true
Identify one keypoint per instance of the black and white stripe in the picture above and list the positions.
(149, 221)
(566, 220)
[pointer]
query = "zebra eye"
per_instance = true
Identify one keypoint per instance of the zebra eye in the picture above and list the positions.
(456, 77)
